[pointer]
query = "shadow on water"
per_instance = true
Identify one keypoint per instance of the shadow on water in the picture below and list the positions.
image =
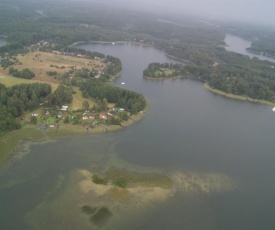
(101, 217)
(98, 216)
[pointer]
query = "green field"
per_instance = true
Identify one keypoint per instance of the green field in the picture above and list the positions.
(10, 81)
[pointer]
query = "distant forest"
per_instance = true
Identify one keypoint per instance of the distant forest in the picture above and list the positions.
(262, 38)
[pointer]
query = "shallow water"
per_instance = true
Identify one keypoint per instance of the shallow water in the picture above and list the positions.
(2, 41)
(187, 129)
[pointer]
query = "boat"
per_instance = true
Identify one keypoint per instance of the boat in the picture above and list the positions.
(122, 83)
(273, 109)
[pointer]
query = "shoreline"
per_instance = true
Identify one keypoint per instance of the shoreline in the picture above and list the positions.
(132, 43)
(177, 59)
(163, 78)
(10, 141)
(259, 53)
(237, 97)
(109, 42)
(219, 92)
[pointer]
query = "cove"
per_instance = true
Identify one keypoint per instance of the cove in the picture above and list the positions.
(187, 129)
(239, 45)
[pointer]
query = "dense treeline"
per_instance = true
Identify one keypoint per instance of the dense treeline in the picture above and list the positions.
(62, 95)
(241, 75)
(88, 22)
(12, 48)
(27, 26)
(24, 97)
(16, 100)
(129, 100)
(25, 73)
(264, 46)
(114, 65)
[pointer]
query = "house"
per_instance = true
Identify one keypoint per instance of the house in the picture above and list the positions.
(34, 114)
(64, 107)
(84, 118)
(85, 113)
(57, 52)
(120, 110)
(102, 117)
(111, 113)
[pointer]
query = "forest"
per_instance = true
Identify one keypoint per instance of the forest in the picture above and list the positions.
(99, 89)
(15, 101)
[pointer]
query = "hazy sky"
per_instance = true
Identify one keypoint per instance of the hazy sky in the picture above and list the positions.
(259, 11)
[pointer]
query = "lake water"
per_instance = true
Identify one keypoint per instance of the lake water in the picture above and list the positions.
(186, 129)
(2, 42)
(239, 45)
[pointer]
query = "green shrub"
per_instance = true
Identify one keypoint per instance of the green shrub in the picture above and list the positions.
(98, 180)
(120, 182)
(33, 120)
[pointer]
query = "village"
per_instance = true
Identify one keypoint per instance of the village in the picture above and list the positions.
(49, 118)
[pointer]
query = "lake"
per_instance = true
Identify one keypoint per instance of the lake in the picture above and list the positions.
(187, 129)
(2, 41)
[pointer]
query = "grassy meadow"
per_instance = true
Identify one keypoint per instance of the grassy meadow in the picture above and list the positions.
(42, 62)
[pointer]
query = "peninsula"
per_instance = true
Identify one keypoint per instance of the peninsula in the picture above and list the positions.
(48, 92)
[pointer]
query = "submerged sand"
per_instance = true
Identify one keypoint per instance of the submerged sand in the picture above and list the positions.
(82, 204)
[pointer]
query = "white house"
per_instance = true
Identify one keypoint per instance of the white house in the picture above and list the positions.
(64, 108)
